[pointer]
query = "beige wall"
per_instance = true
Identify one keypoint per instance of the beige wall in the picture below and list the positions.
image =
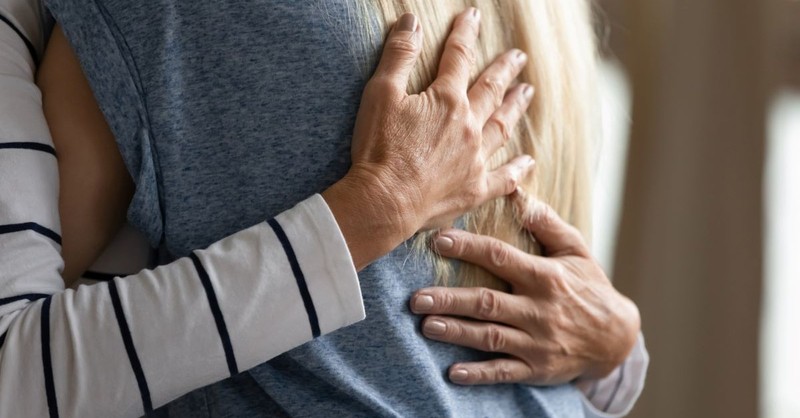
(690, 249)
(782, 21)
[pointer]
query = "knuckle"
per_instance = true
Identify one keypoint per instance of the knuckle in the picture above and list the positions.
(455, 102)
(559, 272)
(474, 195)
(458, 104)
(490, 374)
(495, 339)
(530, 315)
(556, 286)
(472, 136)
(502, 126)
(562, 287)
(455, 331)
(488, 305)
(495, 88)
(401, 48)
(447, 301)
(462, 50)
(498, 254)
(534, 270)
(544, 277)
(484, 375)
(511, 183)
(560, 323)
(503, 373)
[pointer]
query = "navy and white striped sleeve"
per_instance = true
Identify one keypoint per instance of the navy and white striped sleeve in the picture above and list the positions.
(615, 395)
(122, 347)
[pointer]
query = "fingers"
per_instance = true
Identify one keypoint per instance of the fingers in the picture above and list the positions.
(459, 51)
(504, 180)
(400, 52)
(556, 235)
(487, 93)
(505, 370)
(484, 336)
(515, 370)
(477, 303)
(499, 258)
(500, 125)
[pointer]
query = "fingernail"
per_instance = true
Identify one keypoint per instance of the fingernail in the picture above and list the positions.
(476, 14)
(459, 375)
(407, 23)
(435, 327)
(443, 243)
(528, 92)
(528, 161)
(423, 303)
(520, 56)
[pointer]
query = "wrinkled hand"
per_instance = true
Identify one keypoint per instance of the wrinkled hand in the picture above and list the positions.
(564, 319)
(420, 161)
(430, 150)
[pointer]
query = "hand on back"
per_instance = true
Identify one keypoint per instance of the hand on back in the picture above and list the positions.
(430, 150)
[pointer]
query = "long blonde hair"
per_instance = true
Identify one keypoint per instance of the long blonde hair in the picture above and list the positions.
(558, 128)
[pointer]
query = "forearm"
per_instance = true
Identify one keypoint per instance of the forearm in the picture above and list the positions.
(193, 322)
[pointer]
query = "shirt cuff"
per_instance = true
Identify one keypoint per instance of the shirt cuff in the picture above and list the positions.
(615, 395)
(327, 264)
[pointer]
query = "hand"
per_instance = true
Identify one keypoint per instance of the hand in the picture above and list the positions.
(564, 319)
(420, 161)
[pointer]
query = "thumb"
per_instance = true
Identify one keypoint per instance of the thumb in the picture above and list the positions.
(400, 52)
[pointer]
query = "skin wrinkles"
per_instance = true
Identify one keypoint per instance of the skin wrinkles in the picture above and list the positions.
(562, 321)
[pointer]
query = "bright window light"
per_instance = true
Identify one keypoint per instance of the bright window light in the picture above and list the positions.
(780, 330)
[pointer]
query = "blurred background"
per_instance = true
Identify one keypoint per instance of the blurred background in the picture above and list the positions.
(697, 198)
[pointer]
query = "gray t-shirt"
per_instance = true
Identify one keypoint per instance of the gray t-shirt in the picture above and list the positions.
(227, 113)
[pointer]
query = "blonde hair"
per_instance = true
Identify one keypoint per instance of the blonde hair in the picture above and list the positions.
(557, 130)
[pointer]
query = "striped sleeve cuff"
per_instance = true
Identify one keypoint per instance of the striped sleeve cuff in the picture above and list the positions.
(615, 395)
(327, 265)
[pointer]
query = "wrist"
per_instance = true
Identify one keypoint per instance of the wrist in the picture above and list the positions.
(373, 219)
(391, 194)
(624, 328)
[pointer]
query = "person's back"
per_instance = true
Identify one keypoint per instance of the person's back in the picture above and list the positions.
(244, 109)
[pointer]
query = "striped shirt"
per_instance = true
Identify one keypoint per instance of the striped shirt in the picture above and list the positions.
(121, 347)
